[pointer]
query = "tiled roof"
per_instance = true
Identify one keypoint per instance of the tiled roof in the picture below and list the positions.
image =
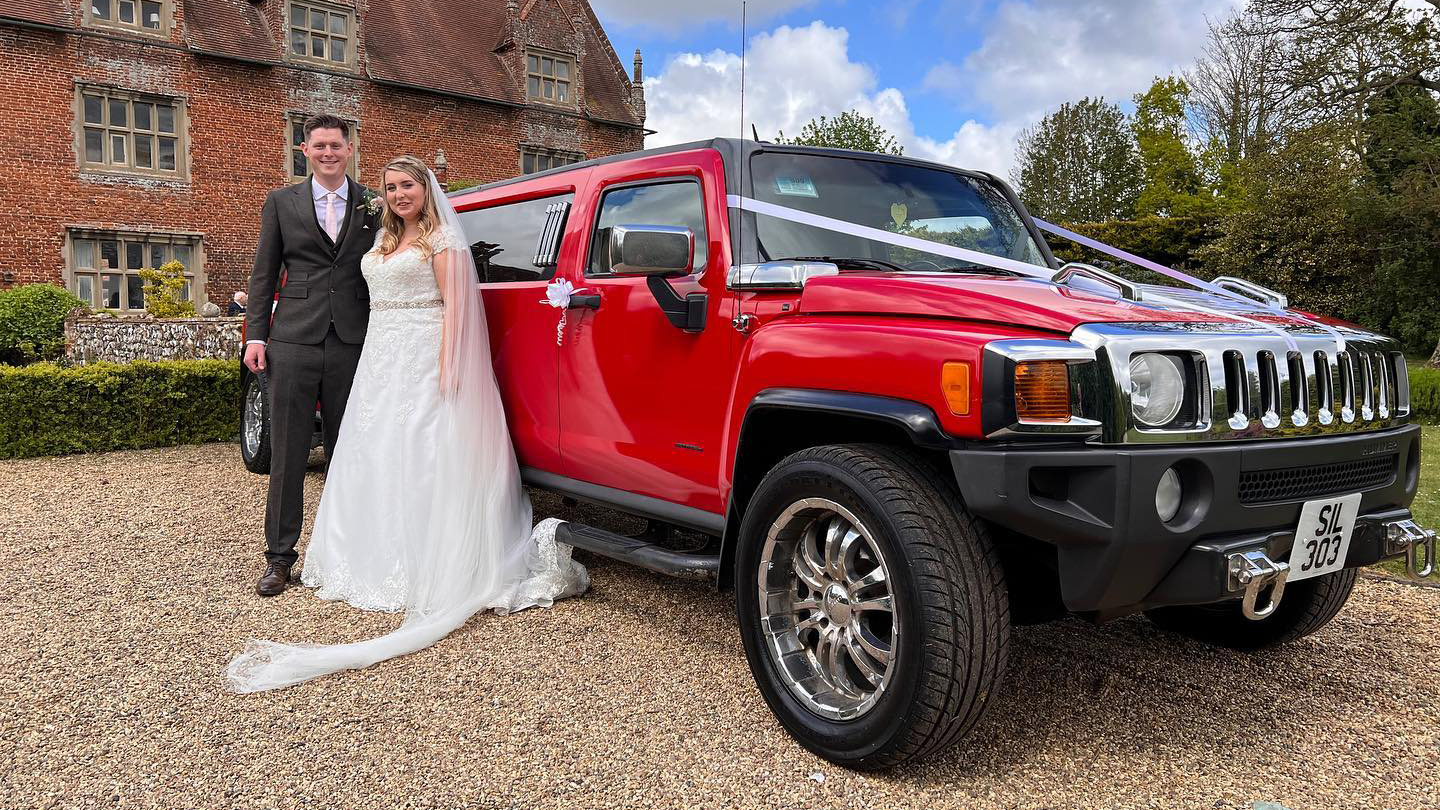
(449, 46)
(49, 13)
(231, 28)
(446, 45)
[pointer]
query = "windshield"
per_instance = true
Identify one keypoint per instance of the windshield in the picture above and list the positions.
(915, 201)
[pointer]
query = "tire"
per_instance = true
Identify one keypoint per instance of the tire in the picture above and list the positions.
(947, 627)
(1304, 608)
(255, 425)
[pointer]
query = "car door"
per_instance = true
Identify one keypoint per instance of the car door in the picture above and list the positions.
(643, 402)
(514, 267)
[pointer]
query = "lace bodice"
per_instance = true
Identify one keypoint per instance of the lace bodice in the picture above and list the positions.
(406, 275)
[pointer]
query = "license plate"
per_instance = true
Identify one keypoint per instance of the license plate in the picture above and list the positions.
(1322, 538)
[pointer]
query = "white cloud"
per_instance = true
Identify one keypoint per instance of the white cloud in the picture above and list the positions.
(1037, 54)
(671, 15)
(792, 76)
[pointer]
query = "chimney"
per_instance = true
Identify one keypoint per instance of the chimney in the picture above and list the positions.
(442, 169)
(637, 87)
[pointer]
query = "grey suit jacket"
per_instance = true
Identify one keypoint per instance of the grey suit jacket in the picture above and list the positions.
(323, 284)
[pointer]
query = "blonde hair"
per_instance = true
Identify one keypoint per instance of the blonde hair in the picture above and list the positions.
(391, 225)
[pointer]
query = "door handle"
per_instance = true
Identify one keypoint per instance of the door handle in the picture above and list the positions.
(584, 302)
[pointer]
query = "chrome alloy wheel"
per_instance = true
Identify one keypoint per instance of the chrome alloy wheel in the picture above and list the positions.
(826, 610)
(253, 421)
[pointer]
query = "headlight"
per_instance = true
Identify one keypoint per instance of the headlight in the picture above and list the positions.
(1157, 388)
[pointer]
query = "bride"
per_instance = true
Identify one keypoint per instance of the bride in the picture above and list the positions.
(422, 509)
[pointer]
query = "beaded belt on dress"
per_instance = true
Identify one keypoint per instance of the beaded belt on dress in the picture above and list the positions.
(435, 303)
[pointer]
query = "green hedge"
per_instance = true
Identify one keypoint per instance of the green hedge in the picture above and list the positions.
(1425, 395)
(46, 409)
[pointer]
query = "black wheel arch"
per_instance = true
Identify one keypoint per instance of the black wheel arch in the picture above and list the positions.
(781, 421)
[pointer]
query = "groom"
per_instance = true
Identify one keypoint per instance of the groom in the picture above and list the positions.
(317, 231)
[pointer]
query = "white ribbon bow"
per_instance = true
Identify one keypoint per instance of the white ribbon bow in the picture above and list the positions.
(557, 295)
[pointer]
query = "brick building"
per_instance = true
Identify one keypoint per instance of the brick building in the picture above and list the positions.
(144, 130)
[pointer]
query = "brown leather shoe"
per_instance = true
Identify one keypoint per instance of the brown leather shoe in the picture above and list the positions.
(274, 580)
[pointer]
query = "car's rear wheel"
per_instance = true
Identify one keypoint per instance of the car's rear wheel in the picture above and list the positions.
(1304, 608)
(872, 605)
(255, 425)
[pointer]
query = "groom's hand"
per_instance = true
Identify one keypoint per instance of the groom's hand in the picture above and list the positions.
(255, 357)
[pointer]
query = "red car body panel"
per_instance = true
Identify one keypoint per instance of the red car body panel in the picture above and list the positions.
(632, 403)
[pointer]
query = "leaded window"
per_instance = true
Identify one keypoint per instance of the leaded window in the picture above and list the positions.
(129, 131)
(104, 266)
(548, 78)
(143, 16)
(321, 33)
(538, 160)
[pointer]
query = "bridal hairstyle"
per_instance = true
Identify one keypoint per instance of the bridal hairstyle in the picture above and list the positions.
(391, 225)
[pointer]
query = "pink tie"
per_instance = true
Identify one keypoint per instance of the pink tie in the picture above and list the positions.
(331, 227)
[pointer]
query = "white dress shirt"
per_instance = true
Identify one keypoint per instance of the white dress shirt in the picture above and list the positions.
(342, 195)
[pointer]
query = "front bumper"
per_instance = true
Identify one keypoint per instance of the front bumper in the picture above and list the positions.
(1096, 505)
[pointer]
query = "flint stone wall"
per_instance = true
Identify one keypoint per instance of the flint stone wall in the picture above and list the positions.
(123, 340)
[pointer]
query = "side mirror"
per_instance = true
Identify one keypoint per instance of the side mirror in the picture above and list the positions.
(651, 250)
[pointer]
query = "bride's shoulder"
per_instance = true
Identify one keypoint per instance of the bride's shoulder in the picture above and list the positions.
(448, 238)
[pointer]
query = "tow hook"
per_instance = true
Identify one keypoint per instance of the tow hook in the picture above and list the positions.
(1409, 538)
(1253, 571)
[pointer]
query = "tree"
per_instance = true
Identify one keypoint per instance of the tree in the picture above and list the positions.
(1397, 208)
(1293, 232)
(1173, 184)
(1237, 101)
(848, 130)
(1338, 54)
(1079, 164)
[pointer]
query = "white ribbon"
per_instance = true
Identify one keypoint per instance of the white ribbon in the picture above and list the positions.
(1030, 270)
(557, 295)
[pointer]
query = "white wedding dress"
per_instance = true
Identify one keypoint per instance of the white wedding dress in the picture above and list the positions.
(422, 510)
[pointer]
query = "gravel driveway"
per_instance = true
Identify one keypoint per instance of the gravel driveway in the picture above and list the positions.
(129, 579)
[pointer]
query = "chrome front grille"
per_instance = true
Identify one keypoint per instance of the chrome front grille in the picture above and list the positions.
(1252, 383)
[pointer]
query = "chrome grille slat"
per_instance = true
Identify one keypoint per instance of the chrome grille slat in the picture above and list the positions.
(1260, 385)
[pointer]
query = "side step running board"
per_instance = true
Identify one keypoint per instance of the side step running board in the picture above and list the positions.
(639, 552)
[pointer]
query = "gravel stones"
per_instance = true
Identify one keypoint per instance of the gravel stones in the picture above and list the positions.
(129, 582)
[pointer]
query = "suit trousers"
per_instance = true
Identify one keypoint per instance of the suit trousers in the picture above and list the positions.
(300, 374)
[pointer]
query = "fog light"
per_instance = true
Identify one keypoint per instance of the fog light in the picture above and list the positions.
(1167, 495)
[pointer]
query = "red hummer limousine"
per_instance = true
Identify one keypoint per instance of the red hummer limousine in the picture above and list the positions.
(898, 453)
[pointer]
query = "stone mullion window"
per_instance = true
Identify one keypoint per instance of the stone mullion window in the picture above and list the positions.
(320, 33)
(139, 16)
(538, 159)
(549, 78)
(296, 164)
(128, 132)
(103, 267)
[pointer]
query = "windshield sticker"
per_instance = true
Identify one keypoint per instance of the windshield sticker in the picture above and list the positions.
(795, 187)
(899, 212)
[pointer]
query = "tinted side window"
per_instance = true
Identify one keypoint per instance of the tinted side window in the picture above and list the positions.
(503, 239)
(662, 204)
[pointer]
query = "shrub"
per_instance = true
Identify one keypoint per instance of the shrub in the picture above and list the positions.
(162, 291)
(32, 322)
(1425, 395)
(46, 409)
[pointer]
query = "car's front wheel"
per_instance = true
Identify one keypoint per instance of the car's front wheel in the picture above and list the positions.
(872, 605)
(255, 425)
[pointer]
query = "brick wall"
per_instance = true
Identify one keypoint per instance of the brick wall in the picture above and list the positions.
(238, 148)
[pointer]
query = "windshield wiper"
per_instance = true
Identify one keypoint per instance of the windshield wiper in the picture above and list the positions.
(852, 261)
(977, 268)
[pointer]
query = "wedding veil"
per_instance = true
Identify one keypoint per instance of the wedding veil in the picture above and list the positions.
(477, 552)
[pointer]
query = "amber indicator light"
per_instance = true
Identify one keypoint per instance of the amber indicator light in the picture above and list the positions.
(955, 382)
(1042, 391)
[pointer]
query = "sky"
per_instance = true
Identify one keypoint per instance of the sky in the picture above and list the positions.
(954, 80)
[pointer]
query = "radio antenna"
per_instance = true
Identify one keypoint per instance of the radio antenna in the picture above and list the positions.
(740, 190)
